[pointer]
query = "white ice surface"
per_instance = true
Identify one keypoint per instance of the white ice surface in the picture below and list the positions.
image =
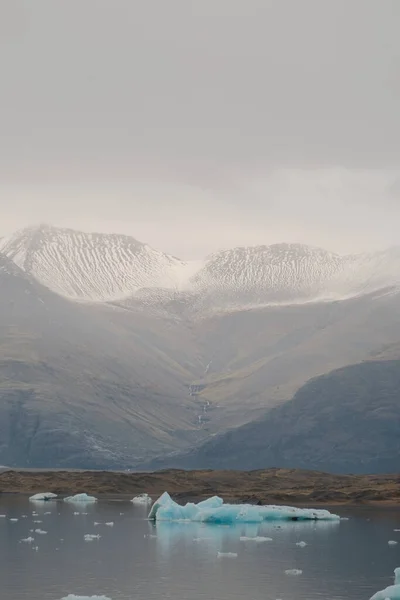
(43, 496)
(73, 597)
(80, 498)
(142, 499)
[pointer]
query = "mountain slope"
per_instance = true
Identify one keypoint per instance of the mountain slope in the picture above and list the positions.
(91, 267)
(345, 421)
(95, 388)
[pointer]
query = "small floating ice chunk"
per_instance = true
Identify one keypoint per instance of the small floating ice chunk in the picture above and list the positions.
(40, 532)
(392, 543)
(13, 520)
(84, 498)
(142, 499)
(89, 537)
(110, 524)
(227, 555)
(293, 572)
(38, 521)
(214, 510)
(28, 540)
(301, 544)
(3, 516)
(44, 496)
(73, 597)
(392, 592)
(259, 539)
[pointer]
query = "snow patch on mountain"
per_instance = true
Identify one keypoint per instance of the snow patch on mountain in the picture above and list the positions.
(90, 267)
(119, 269)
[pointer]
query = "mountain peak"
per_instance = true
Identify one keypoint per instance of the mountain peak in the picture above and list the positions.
(88, 266)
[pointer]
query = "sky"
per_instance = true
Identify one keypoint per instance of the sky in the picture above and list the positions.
(196, 125)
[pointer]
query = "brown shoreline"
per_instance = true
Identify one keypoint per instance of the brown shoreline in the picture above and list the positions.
(264, 487)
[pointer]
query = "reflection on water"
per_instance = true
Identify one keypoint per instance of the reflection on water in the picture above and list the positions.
(172, 535)
(141, 560)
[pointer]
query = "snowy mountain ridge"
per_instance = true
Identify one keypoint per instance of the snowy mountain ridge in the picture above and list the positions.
(117, 268)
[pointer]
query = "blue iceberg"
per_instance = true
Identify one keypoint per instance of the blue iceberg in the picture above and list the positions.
(213, 510)
(392, 592)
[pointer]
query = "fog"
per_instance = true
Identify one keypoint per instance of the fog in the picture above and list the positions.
(200, 125)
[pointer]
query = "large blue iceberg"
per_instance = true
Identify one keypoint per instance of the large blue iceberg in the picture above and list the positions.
(392, 592)
(213, 510)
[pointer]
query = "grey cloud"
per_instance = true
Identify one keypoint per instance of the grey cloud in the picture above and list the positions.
(152, 116)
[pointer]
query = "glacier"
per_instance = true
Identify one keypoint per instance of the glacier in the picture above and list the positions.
(213, 510)
(392, 592)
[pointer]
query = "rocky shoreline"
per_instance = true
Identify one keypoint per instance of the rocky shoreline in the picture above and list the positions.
(257, 487)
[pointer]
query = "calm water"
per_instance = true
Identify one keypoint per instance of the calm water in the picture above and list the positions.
(137, 560)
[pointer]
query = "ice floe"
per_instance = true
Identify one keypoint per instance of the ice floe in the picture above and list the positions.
(227, 555)
(258, 539)
(213, 510)
(78, 498)
(142, 499)
(40, 532)
(392, 592)
(44, 496)
(293, 572)
(73, 597)
(89, 537)
(28, 540)
(392, 543)
(301, 544)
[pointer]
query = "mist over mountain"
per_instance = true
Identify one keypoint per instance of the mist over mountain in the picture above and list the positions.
(114, 353)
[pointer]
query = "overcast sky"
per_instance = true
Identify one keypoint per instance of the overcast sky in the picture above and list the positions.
(200, 124)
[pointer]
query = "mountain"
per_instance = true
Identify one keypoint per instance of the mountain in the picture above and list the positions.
(116, 353)
(91, 267)
(119, 269)
(83, 387)
(347, 421)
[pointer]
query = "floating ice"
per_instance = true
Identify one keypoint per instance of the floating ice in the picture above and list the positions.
(392, 543)
(258, 539)
(40, 532)
(392, 592)
(214, 510)
(28, 540)
(38, 521)
(301, 544)
(142, 499)
(293, 572)
(13, 520)
(110, 524)
(44, 496)
(226, 555)
(89, 537)
(73, 597)
(2, 516)
(81, 498)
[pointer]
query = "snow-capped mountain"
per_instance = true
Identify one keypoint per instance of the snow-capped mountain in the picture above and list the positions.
(276, 273)
(118, 268)
(91, 267)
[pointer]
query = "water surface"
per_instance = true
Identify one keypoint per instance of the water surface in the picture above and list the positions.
(135, 559)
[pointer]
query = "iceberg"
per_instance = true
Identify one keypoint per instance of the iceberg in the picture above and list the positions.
(81, 498)
(142, 499)
(392, 592)
(44, 496)
(213, 510)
